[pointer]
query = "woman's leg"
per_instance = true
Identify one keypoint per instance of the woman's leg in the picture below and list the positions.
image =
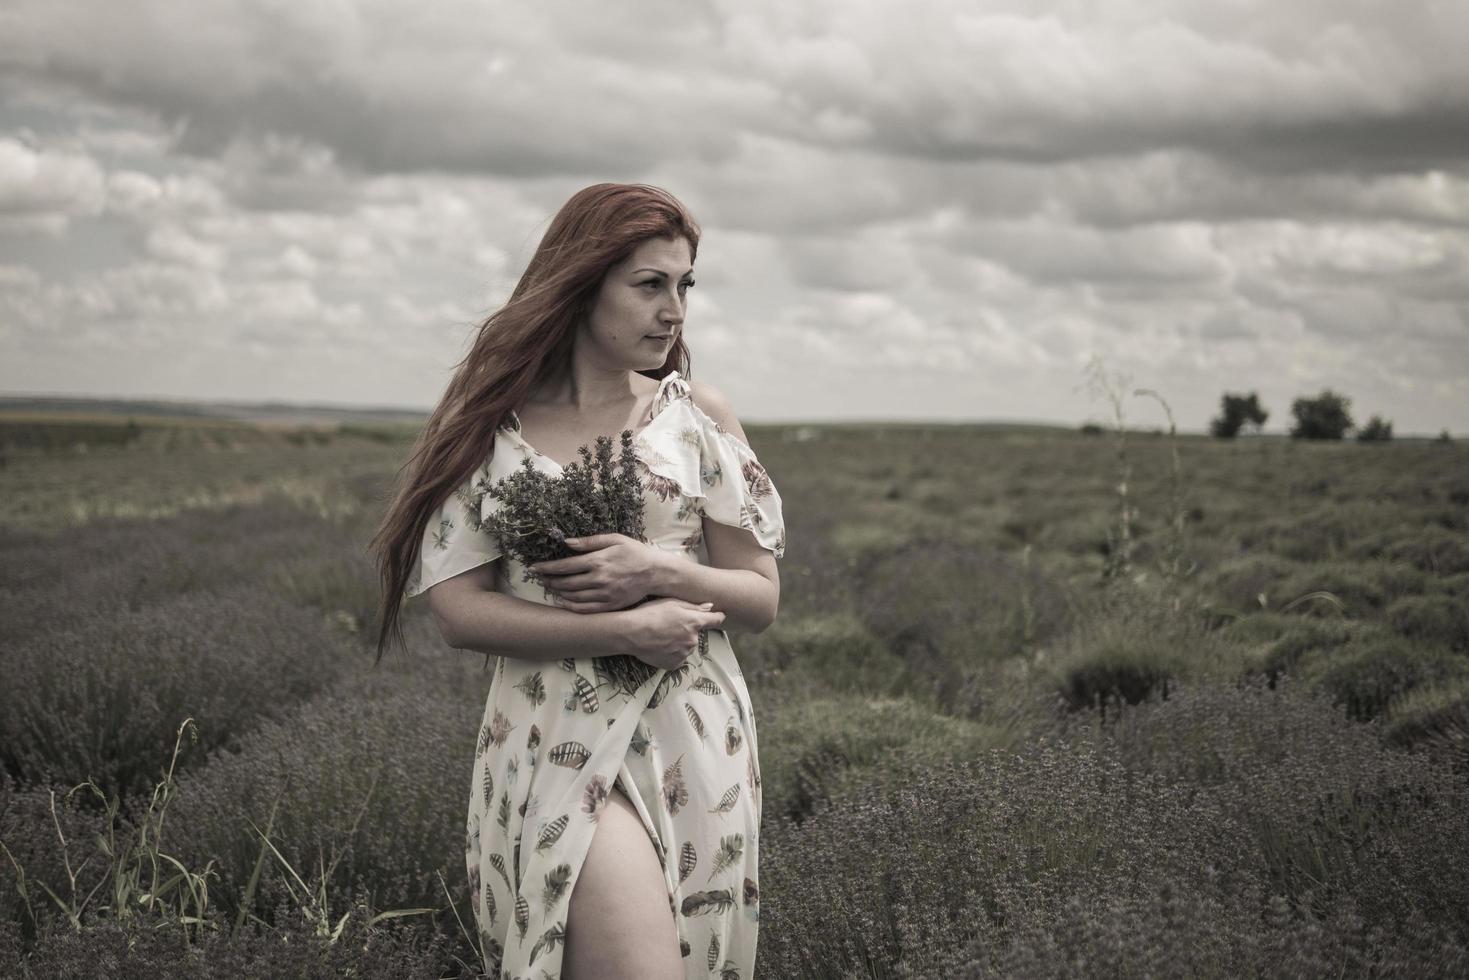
(619, 926)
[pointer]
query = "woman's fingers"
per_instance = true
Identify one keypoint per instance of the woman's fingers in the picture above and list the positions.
(573, 583)
(563, 566)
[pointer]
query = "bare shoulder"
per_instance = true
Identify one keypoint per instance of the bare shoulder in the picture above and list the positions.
(712, 402)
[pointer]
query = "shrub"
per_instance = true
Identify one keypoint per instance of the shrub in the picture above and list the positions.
(1089, 855)
(28, 830)
(1370, 674)
(1118, 670)
(1218, 834)
(1431, 619)
(1456, 585)
(147, 949)
(1436, 717)
(832, 652)
(1248, 583)
(389, 750)
(809, 749)
(1258, 628)
(1436, 551)
(1307, 638)
(1376, 430)
(1355, 588)
(116, 565)
(942, 606)
(104, 698)
(1235, 411)
(1323, 417)
(1334, 530)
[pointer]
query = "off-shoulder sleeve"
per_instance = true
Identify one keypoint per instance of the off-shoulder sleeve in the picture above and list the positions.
(452, 540)
(737, 490)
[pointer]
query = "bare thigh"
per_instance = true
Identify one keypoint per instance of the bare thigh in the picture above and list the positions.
(619, 925)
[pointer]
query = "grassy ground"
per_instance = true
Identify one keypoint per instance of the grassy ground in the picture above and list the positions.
(1014, 723)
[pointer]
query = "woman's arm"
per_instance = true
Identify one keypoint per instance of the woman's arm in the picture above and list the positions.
(470, 615)
(740, 579)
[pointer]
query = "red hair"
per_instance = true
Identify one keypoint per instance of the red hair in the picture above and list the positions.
(524, 343)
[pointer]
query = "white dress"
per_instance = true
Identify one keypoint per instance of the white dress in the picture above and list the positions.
(558, 734)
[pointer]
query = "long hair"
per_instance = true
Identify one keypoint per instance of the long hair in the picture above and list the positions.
(524, 343)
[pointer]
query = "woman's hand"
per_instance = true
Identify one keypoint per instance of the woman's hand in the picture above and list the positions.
(616, 572)
(665, 631)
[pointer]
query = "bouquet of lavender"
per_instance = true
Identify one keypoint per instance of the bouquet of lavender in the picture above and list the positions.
(539, 512)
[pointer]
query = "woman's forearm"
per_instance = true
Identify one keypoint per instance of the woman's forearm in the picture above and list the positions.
(748, 599)
(502, 625)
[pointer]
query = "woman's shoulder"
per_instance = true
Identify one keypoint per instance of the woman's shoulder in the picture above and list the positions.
(713, 403)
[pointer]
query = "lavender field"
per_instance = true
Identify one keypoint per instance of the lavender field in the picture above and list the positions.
(1013, 722)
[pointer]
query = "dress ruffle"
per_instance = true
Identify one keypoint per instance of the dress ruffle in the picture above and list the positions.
(726, 479)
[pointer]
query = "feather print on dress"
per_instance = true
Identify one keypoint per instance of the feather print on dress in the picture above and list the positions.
(675, 793)
(731, 849)
(713, 957)
(503, 816)
(548, 941)
(695, 720)
(500, 728)
(498, 863)
(640, 740)
(732, 737)
(533, 688)
(572, 754)
(586, 695)
(556, 881)
(594, 797)
(552, 832)
(522, 916)
(674, 678)
(727, 801)
(688, 859)
(702, 903)
(756, 478)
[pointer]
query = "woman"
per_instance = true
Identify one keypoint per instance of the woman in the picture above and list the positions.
(613, 827)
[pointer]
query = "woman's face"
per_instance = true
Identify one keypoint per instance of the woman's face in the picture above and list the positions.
(639, 309)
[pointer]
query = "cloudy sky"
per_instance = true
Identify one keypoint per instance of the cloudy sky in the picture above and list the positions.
(932, 209)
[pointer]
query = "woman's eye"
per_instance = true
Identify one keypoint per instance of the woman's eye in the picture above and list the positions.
(686, 284)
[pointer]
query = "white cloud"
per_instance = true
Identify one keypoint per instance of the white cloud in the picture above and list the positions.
(960, 202)
(37, 183)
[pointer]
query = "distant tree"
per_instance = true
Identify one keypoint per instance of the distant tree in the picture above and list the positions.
(1322, 417)
(1091, 429)
(1234, 412)
(1376, 430)
(1444, 437)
